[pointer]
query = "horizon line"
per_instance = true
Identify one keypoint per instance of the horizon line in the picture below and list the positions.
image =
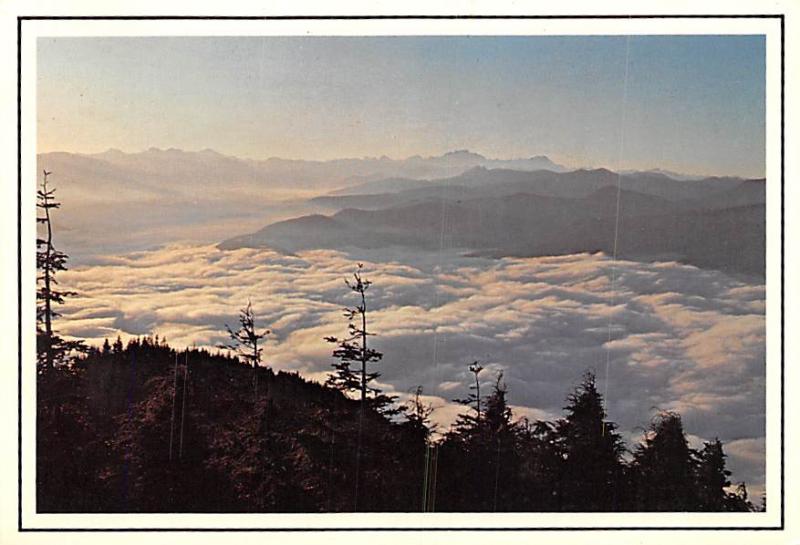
(385, 157)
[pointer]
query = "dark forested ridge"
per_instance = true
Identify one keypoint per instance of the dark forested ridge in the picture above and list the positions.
(127, 429)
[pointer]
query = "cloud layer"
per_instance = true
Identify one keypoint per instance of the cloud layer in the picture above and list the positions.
(659, 335)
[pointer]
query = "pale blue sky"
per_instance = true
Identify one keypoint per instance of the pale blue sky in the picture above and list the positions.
(694, 103)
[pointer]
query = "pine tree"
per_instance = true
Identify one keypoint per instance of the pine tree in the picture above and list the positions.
(419, 454)
(712, 477)
(417, 414)
(52, 350)
(664, 468)
(245, 342)
(590, 449)
(468, 423)
(246, 338)
(354, 350)
(540, 466)
(480, 452)
(499, 438)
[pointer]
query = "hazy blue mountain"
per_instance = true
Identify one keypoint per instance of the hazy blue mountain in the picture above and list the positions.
(122, 201)
(669, 173)
(175, 168)
(127, 201)
(525, 224)
(482, 182)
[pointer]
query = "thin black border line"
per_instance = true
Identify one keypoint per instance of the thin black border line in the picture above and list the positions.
(370, 17)
(415, 529)
(20, 528)
(19, 271)
(783, 384)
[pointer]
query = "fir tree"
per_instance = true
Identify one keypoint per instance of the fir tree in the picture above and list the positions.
(664, 468)
(246, 338)
(52, 350)
(246, 342)
(712, 477)
(467, 422)
(590, 449)
(354, 350)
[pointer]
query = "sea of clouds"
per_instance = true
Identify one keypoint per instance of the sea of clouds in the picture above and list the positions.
(658, 335)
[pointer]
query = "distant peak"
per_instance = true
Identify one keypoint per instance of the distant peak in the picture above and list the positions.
(462, 153)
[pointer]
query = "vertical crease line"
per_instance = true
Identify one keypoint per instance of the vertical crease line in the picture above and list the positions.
(616, 221)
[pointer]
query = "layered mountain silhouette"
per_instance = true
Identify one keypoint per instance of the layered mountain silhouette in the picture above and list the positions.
(715, 223)
(133, 201)
(498, 207)
(175, 170)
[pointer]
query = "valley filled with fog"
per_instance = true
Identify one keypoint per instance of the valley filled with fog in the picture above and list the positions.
(654, 280)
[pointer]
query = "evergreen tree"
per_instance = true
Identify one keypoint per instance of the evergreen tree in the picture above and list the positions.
(52, 350)
(416, 449)
(712, 477)
(468, 423)
(245, 342)
(246, 338)
(664, 468)
(417, 415)
(540, 466)
(499, 439)
(354, 350)
(480, 453)
(118, 347)
(590, 449)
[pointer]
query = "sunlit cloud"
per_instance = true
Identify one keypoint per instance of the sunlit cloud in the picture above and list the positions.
(659, 335)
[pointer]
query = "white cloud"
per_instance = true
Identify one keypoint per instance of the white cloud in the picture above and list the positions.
(671, 336)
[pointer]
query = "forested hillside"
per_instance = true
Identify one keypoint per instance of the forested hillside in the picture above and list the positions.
(127, 429)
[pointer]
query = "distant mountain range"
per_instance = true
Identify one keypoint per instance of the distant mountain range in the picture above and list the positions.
(181, 172)
(115, 201)
(715, 222)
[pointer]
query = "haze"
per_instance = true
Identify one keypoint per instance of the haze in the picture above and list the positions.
(692, 103)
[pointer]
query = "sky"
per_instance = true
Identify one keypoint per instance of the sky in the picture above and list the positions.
(692, 104)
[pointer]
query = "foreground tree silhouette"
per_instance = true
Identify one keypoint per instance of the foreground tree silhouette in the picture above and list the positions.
(712, 477)
(246, 338)
(355, 350)
(246, 341)
(473, 399)
(480, 461)
(417, 449)
(590, 450)
(52, 350)
(499, 440)
(664, 467)
(65, 441)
